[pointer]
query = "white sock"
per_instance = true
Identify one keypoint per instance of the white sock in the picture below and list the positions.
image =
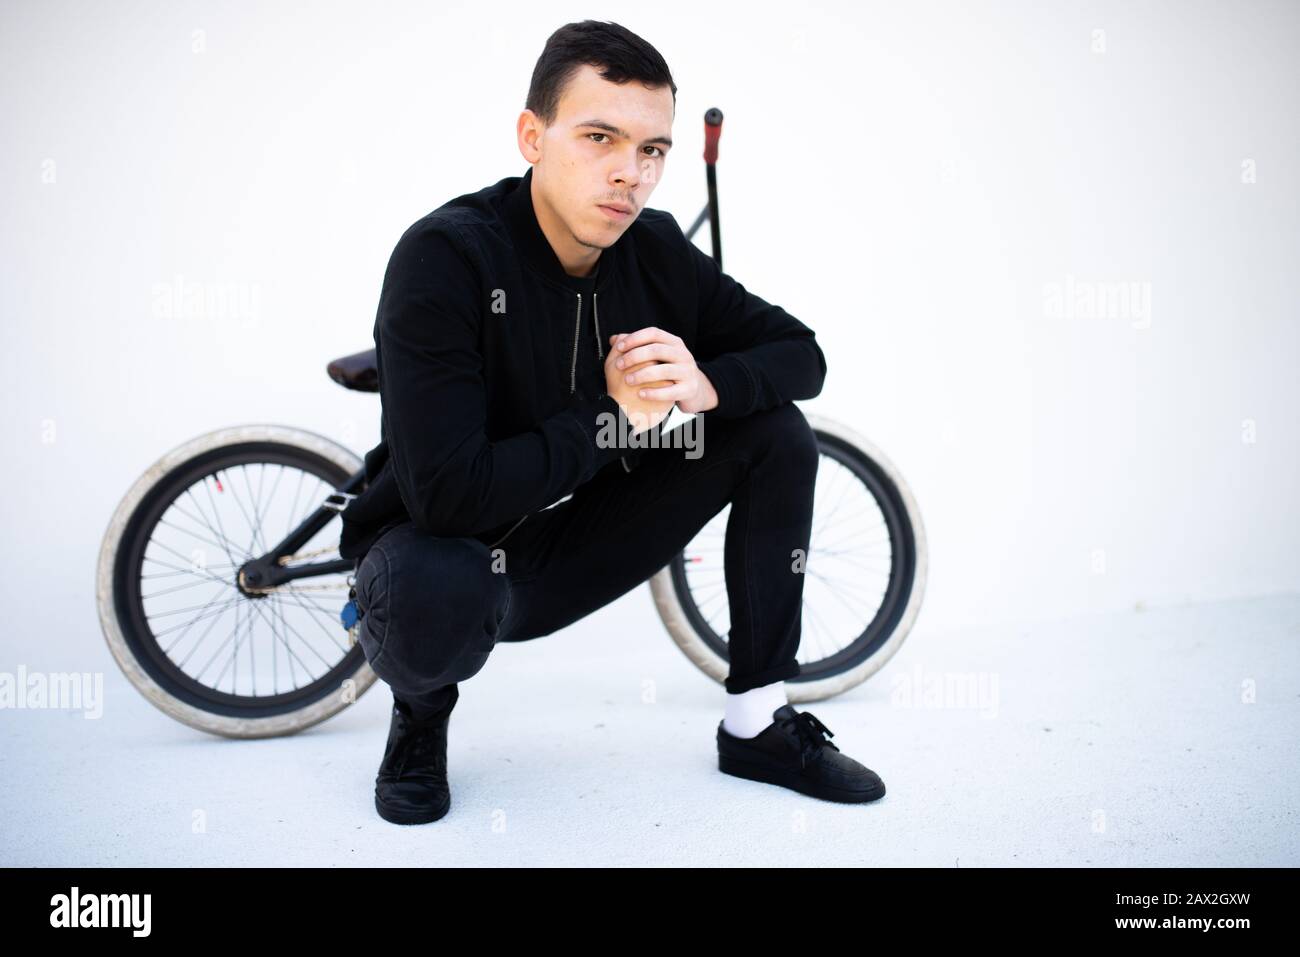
(749, 712)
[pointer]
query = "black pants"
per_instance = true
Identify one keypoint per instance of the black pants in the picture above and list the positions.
(434, 608)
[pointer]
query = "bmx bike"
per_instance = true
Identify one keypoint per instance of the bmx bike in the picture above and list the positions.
(224, 600)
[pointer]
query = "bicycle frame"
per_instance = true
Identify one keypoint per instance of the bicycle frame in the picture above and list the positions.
(269, 570)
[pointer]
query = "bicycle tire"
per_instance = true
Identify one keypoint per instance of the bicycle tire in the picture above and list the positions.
(118, 596)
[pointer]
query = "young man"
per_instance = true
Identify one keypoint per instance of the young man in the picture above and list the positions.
(526, 335)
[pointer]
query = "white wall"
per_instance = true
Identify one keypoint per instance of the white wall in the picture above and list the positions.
(907, 178)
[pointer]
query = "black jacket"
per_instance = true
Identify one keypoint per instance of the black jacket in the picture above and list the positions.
(490, 364)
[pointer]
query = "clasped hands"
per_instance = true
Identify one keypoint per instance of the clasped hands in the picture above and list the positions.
(649, 371)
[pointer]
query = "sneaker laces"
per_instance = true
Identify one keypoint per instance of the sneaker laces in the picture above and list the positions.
(809, 731)
(421, 738)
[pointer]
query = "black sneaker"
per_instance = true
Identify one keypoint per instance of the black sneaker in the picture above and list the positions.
(792, 753)
(411, 787)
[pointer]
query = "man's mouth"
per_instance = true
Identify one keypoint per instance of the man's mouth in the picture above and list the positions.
(617, 213)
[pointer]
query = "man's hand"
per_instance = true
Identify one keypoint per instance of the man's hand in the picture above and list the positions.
(675, 377)
(642, 413)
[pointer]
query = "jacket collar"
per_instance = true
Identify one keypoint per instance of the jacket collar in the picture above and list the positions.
(532, 244)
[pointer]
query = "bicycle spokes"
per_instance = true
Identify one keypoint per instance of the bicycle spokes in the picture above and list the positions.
(232, 635)
(847, 569)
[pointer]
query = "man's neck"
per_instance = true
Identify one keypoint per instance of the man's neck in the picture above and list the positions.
(590, 270)
(577, 260)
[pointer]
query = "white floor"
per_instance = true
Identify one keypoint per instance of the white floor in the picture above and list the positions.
(1120, 740)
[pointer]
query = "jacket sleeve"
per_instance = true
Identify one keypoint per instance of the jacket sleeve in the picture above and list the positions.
(756, 355)
(452, 479)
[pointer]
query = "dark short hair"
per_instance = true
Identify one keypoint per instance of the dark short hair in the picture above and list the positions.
(620, 53)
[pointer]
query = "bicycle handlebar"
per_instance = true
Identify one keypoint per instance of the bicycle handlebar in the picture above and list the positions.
(712, 133)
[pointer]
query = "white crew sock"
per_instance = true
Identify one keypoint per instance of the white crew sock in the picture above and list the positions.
(749, 712)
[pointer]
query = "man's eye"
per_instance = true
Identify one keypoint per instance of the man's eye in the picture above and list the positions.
(658, 151)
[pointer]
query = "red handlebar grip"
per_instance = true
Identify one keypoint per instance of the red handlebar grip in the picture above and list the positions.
(711, 135)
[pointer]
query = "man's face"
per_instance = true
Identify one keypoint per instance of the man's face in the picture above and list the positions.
(605, 149)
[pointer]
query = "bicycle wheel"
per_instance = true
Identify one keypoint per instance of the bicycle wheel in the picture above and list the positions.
(865, 568)
(201, 641)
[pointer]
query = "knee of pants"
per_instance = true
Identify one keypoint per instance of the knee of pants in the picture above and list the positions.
(786, 431)
(430, 606)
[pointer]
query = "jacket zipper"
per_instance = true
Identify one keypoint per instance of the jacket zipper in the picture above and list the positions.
(573, 385)
(595, 309)
(600, 353)
(577, 329)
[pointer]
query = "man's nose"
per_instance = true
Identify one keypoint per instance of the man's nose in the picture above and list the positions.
(627, 173)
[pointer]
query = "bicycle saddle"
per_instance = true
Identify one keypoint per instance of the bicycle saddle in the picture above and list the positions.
(357, 371)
